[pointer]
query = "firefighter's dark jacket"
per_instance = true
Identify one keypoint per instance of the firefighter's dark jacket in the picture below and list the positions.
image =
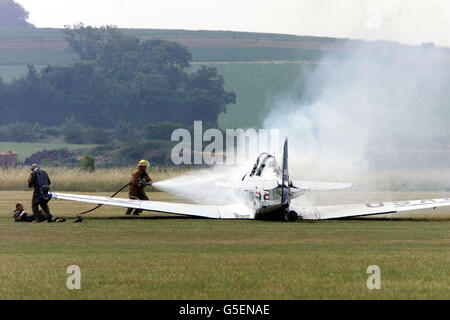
(135, 189)
(31, 181)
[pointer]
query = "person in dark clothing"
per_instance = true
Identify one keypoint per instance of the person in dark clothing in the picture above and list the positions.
(139, 180)
(40, 181)
(20, 215)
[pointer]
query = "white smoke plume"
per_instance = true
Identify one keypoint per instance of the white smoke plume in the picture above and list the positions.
(376, 107)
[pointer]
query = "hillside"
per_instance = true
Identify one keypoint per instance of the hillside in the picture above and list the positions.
(41, 46)
(257, 66)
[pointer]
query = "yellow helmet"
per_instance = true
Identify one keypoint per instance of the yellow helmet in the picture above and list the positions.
(144, 163)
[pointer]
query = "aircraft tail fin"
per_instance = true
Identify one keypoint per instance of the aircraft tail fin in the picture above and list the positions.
(285, 176)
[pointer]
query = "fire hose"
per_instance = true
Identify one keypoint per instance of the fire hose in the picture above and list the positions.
(98, 206)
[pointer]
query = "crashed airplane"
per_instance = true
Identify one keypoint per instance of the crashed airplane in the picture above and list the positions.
(269, 191)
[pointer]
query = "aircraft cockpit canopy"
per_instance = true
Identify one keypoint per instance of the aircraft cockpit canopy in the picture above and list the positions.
(265, 166)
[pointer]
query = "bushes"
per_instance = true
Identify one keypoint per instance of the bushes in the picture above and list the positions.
(87, 163)
(20, 132)
(157, 152)
(125, 131)
(71, 132)
(74, 132)
(97, 136)
(161, 130)
(51, 157)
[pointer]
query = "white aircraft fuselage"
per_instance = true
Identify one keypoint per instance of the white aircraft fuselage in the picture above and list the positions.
(269, 188)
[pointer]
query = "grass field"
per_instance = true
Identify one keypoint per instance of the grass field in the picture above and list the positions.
(157, 256)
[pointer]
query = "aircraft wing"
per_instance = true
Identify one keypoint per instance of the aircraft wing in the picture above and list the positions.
(198, 210)
(355, 210)
(319, 186)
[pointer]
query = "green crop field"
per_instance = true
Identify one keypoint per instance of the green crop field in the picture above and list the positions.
(29, 34)
(257, 87)
(26, 149)
(208, 54)
(275, 47)
(39, 34)
(157, 256)
(37, 57)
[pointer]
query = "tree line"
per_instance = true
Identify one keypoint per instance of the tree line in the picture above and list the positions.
(116, 78)
(13, 14)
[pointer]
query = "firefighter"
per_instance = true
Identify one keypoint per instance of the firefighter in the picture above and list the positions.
(20, 215)
(40, 181)
(139, 180)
